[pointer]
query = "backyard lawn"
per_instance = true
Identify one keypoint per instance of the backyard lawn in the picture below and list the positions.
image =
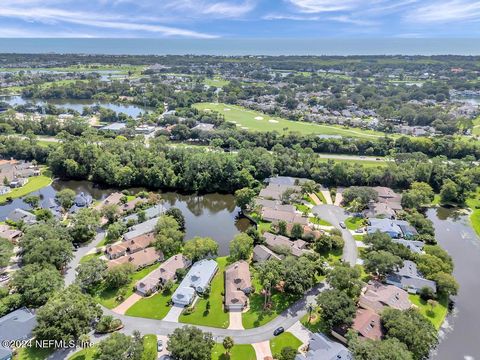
(34, 183)
(315, 324)
(473, 203)
(108, 297)
(284, 340)
(257, 121)
(354, 223)
(319, 221)
(256, 315)
(435, 315)
(153, 307)
(238, 352)
(85, 354)
(217, 81)
(216, 317)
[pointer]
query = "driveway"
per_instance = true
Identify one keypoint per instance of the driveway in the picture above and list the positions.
(164, 352)
(235, 320)
(327, 196)
(124, 306)
(173, 314)
(262, 350)
(248, 336)
(301, 333)
(334, 215)
(77, 255)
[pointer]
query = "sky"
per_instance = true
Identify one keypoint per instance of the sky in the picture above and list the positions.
(210, 19)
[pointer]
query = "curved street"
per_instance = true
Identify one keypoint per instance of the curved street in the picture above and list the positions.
(334, 215)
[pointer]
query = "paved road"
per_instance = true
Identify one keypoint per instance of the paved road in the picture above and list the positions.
(81, 252)
(334, 214)
(160, 327)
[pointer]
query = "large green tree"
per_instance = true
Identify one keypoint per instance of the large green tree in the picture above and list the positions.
(381, 262)
(91, 273)
(241, 247)
(84, 225)
(337, 308)
(345, 278)
(190, 343)
(120, 346)
(66, 316)
(36, 283)
(199, 248)
(168, 236)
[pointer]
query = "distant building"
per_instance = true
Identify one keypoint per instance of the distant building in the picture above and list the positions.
(204, 127)
(196, 281)
(141, 229)
(150, 213)
(4, 190)
(367, 324)
(396, 229)
(115, 127)
(81, 201)
(409, 279)
(18, 182)
(272, 215)
(9, 233)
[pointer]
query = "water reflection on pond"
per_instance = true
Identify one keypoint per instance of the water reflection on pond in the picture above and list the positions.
(213, 215)
(459, 334)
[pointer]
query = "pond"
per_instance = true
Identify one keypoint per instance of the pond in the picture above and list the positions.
(79, 104)
(212, 215)
(460, 332)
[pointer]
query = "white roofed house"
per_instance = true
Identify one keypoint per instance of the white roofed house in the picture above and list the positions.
(196, 281)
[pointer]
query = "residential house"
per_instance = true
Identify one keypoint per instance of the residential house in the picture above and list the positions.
(130, 205)
(386, 226)
(275, 205)
(277, 242)
(321, 347)
(238, 285)
(158, 277)
(389, 197)
(20, 215)
(9, 233)
(375, 296)
(262, 253)
(116, 250)
(140, 259)
(275, 191)
(274, 216)
(379, 210)
(204, 127)
(413, 245)
(115, 127)
(140, 242)
(81, 201)
(4, 190)
(18, 182)
(17, 325)
(409, 279)
(112, 199)
(196, 281)
(141, 229)
(367, 324)
(150, 213)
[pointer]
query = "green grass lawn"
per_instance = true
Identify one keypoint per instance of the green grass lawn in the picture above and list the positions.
(153, 307)
(321, 197)
(358, 237)
(354, 223)
(437, 315)
(284, 340)
(256, 315)
(247, 118)
(473, 203)
(315, 324)
(150, 347)
(34, 183)
(217, 81)
(365, 163)
(85, 354)
(319, 221)
(238, 352)
(264, 226)
(32, 353)
(216, 317)
(107, 297)
(476, 126)
(89, 257)
(302, 208)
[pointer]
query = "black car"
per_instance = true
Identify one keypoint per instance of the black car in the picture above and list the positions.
(278, 331)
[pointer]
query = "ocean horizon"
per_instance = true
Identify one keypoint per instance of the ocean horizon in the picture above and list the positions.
(238, 47)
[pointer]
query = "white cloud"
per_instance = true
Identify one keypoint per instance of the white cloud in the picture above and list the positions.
(290, 17)
(218, 9)
(445, 11)
(119, 22)
(317, 6)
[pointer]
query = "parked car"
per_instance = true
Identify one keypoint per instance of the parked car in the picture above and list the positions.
(342, 225)
(359, 231)
(159, 345)
(278, 331)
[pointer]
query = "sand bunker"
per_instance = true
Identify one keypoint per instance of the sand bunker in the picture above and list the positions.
(226, 109)
(244, 128)
(207, 109)
(258, 118)
(273, 121)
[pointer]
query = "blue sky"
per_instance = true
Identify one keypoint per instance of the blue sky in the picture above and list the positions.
(240, 18)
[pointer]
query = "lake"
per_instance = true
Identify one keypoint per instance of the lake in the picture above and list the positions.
(459, 333)
(78, 104)
(212, 215)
